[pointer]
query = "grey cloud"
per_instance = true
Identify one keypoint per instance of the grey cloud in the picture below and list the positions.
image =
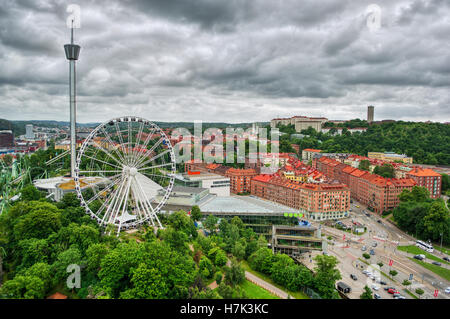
(234, 60)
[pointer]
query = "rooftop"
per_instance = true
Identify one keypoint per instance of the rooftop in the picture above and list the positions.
(244, 204)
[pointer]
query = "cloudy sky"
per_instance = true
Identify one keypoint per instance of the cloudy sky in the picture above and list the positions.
(228, 60)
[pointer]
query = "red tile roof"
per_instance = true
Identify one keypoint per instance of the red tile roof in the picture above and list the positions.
(312, 150)
(423, 172)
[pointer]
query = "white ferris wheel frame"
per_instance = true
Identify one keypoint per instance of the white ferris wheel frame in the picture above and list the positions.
(148, 212)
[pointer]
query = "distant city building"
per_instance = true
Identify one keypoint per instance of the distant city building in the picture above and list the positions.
(338, 130)
(295, 240)
(217, 184)
(316, 201)
(370, 111)
(378, 193)
(307, 153)
(29, 134)
(427, 178)
(390, 157)
(300, 122)
(6, 138)
(240, 179)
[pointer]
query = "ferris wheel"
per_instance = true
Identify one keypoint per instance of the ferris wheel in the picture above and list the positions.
(125, 172)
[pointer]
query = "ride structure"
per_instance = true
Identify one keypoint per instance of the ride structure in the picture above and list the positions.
(127, 163)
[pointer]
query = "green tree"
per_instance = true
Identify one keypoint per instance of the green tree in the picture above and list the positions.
(42, 220)
(182, 222)
(235, 274)
(393, 273)
(262, 260)
(31, 251)
(437, 222)
(94, 255)
(42, 271)
(220, 258)
(445, 183)
(239, 250)
(364, 165)
(218, 277)
(30, 193)
(367, 294)
(148, 283)
(210, 223)
(326, 276)
(64, 259)
(176, 239)
(23, 287)
(420, 292)
(206, 267)
(196, 213)
(385, 170)
(406, 283)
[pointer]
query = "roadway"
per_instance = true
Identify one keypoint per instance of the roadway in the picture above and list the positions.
(387, 237)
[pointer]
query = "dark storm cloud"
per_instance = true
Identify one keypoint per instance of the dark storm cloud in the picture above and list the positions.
(183, 60)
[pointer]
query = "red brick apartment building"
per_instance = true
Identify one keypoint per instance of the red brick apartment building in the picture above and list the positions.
(378, 193)
(316, 201)
(240, 179)
(428, 178)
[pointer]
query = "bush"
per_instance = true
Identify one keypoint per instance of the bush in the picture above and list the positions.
(366, 255)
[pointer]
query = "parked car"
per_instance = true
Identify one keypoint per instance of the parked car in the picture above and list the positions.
(367, 214)
(379, 221)
(375, 287)
(372, 277)
(365, 271)
(419, 257)
(447, 290)
(391, 291)
(364, 248)
(399, 297)
(382, 282)
(374, 244)
(376, 296)
(372, 252)
(437, 263)
(446, 258)
(353, 277)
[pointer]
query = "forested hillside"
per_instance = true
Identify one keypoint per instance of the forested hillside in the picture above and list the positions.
(427, 143)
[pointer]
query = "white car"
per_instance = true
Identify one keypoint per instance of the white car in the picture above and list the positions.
(372, 277)
(365, 272)
(375, 287)
(447, 290)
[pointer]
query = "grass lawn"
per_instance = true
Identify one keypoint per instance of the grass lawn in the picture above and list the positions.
(410, 293)
(445, 250)
(442, 272)
(295, 294)
(255, 292)
(416, 251)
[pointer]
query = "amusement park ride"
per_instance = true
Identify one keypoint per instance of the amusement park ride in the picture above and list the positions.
(126, 163)
(122, 167)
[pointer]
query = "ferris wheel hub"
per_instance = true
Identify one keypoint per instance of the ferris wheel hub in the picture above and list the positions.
(133, 171)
